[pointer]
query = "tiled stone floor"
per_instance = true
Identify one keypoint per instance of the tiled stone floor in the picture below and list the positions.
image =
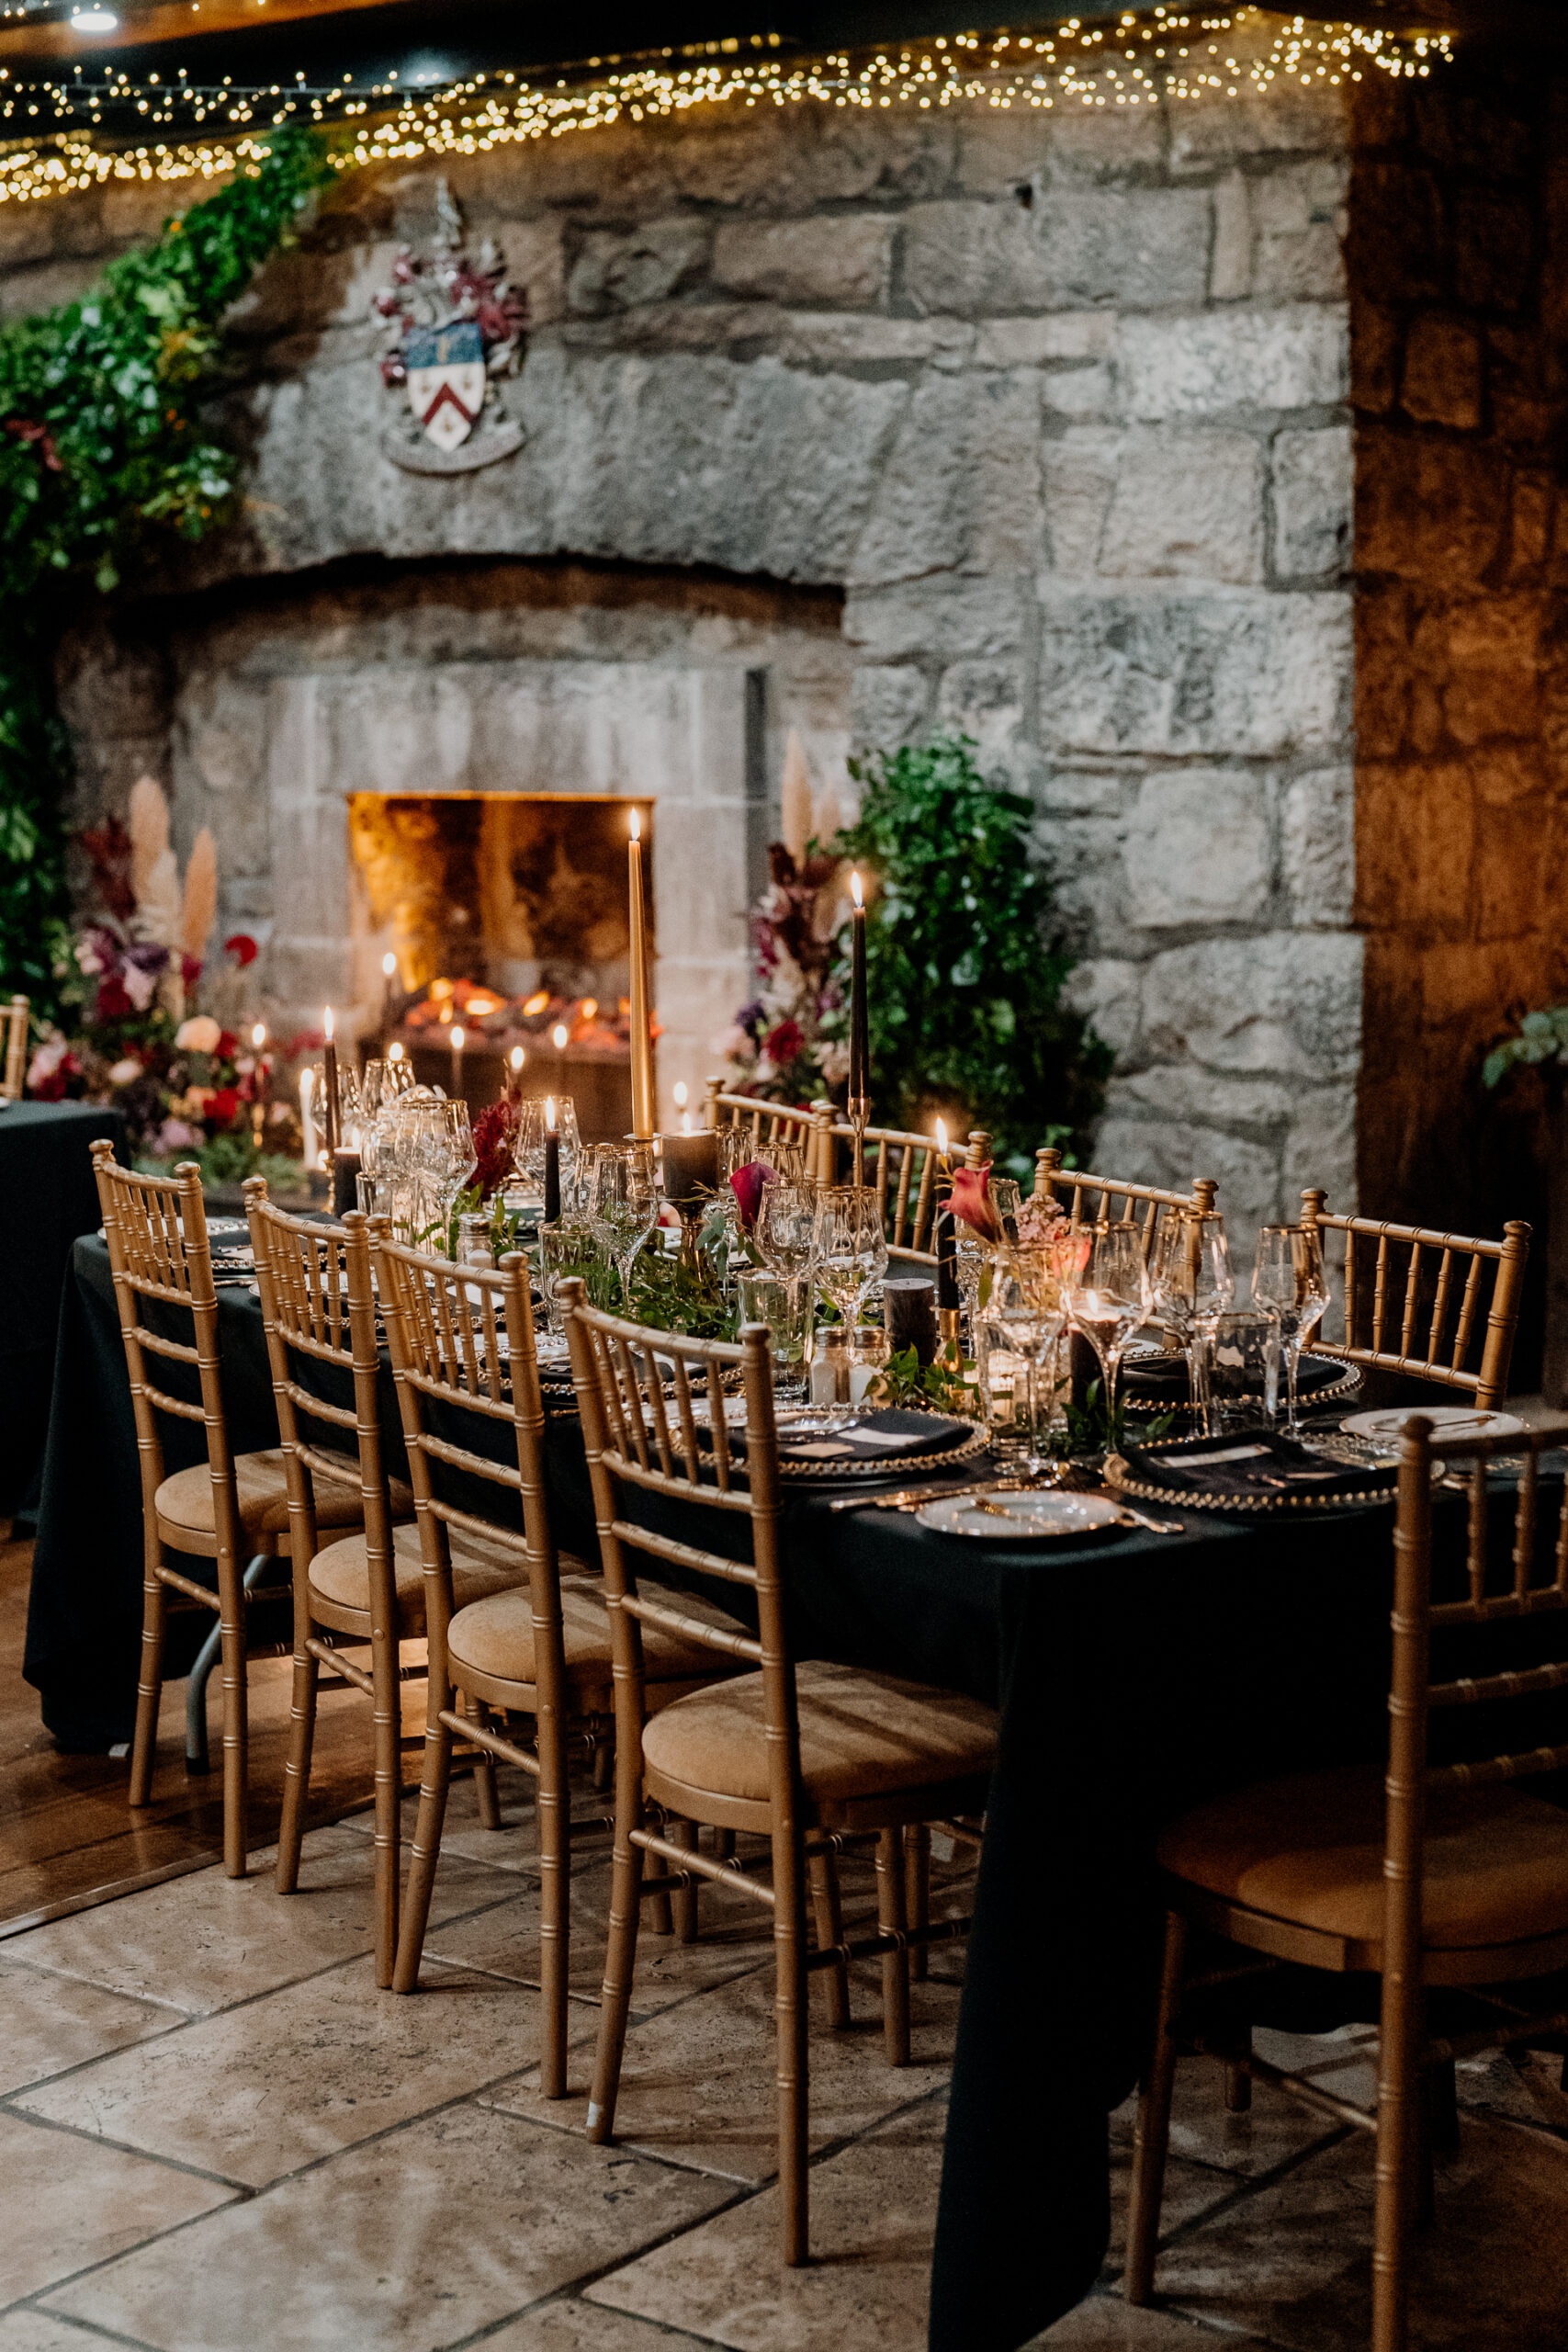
(216, 2136)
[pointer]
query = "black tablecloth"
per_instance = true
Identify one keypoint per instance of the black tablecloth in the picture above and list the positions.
(1134, 1677)
(47, 1198)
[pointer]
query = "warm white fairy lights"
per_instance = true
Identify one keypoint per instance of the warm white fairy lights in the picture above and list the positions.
(1142, 59)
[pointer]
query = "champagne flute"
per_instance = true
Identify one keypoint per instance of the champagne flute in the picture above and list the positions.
(851, 1246)
(1288, 1278)
(1108, 1298)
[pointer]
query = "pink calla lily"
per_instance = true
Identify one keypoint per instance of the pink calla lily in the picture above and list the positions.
(970, 1200)
(747, 1185)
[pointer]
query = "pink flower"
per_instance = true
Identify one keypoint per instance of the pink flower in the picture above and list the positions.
(783, 1044)
(970, 1200)
(747, 1184)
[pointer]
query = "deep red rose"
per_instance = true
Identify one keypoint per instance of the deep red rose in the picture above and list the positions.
(495, 1134)
(242, 947)
(53, 1088)
(784, 1043)
(747, 1184)
(222, 1105)
(113, 1002)
(228, 1045)
(971, 1201)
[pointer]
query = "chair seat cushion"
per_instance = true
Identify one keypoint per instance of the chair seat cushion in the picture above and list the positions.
(861, 1735)
(495, 1637)
(1309, 1849)
(340, 1575)
(186, 1498)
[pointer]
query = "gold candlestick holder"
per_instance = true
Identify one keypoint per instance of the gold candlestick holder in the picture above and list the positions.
(859, 1109)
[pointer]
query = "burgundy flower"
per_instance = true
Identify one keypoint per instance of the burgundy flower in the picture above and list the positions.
(747, 1184)
(242, 947)
(113, 1002)
(222, 1105)
(495, 1135)
(970, 1200)
(783, 1045)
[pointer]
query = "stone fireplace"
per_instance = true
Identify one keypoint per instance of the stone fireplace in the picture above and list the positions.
(1201, 460)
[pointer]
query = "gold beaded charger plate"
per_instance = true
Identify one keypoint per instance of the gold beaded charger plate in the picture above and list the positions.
(1050, 1517)
(1251, 1472)
(1386, 1427)
(1153, 1377)
(876, 1442)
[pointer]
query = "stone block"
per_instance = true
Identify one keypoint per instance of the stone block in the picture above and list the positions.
(1151, 505)
(999, 153)
(1110, 992)
(1296, 355)
(839, 338)
(1199, 849)
(1511, 877)
(1442, 380)
(1098, 144)
(1175, 1153)
(1083, 792)
(985, 700)
(966, 259)
(1397, 249)
(1315, 486)
(1233, 672)
(26, 232)
(1139, 248)
(1085, 857)
(1376, 351)
(1431, 510)
(1494, 246)
(134, 212)
(961, 487)
(32, 292)
(1285, 1003)
(1496, 671)
(1066, 337)
(1299, 222)
(887, 707)
(1259, 1107)
(1318, 844)
(1210, 130)
(828, 259)
(1230, 258)
(944, 617)
(617, 272)
(1415, 830)
(1320, 1149)
(1531, 520)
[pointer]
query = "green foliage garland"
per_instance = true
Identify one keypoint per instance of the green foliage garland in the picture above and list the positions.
(964, 976)
(104, 453)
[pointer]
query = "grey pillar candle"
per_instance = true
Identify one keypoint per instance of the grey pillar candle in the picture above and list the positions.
(691, 1168)
(908, 1315)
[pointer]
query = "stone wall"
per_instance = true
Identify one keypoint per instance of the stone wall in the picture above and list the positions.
(1055, 402)
(1460, 267)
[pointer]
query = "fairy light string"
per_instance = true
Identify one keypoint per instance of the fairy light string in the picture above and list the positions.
(1144, 57)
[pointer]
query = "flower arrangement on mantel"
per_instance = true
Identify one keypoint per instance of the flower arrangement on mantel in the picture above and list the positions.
(159, 1027)
(966, 972)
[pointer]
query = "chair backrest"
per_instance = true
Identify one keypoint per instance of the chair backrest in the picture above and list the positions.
(1438, 1307)
(1530, 1549)
(770, 1121)
(1099, 1200)
(905, 1167)
(13, 1064)
(319, 1303)
(640, 1441)
(159, 1254)
(461, 1340)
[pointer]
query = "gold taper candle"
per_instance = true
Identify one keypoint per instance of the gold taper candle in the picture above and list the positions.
(641, 1043)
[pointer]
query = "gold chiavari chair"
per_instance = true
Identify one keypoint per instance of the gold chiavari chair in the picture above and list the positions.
(1098, 1200)
(13, 1064)
(234, 1508)
(1443, 1876)
(463, 1353)
(807, 1756)
(319, 1303)
(1453, 1301)
(769, 1122)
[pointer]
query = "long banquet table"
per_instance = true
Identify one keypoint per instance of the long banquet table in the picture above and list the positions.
(1133, 1679)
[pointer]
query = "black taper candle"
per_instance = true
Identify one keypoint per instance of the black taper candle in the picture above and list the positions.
(346, 1165)
(947, 1291)
(552, 1177)
(860, 1023)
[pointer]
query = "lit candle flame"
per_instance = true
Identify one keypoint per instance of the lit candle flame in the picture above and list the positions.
(258, 1035)
(518, 1057)
(535, 1003)
(941, 1137)
(550, 1112)
(390, 964)
(394, 1051)
(856, 893)
(588, 1008)
(456, 1041)
(327, 1024)
(681, 1094)
(637, 824)
(559, 1035)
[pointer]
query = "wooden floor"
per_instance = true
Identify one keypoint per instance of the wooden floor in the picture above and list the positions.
(66, 1835)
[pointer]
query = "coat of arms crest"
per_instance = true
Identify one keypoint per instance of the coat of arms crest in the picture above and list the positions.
(454, 329)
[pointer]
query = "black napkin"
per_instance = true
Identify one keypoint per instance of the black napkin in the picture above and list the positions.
(1252, 1463)
(881, 1434)
(1163, 1379)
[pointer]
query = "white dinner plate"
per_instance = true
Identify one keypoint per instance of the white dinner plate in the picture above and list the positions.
(1384, 1427)
(1045, 1518)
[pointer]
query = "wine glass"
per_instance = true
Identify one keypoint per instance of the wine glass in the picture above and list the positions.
(785, 1230)
(851, 1246)
(1108, 1298)
(972, 1252)
(1024, 1318)
(1288, 1278)
(1190, 1276)
(621, 1200)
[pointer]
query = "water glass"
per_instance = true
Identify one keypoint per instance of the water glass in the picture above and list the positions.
(851, 1246)
(1236, 1368)
(1022, 1321)
(784, 1303)
(1190, 1276)
(786, 1229)
(1109, 1299)
(1288, 1279)
(568, 1249)
(620, 1199)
